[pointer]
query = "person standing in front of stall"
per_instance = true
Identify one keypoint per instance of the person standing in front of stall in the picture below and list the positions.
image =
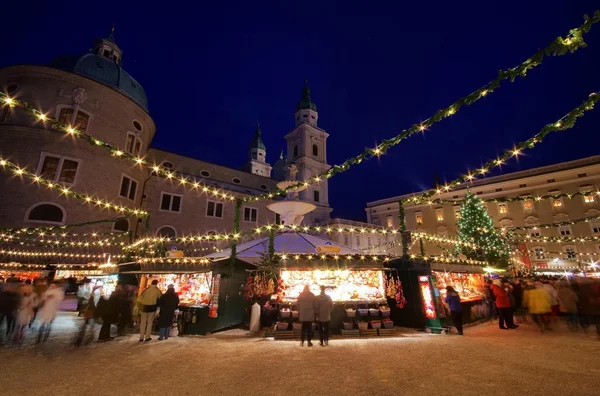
(149, 303)
(505, 320)
(167, 303)
(324, 306)
(306, 314)
(50, 302)
(453, 301)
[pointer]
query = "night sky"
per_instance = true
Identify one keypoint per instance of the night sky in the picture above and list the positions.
(213, 69)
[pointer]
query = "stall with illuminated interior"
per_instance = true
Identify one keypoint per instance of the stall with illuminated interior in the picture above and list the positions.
(22, 272)
(210, 293)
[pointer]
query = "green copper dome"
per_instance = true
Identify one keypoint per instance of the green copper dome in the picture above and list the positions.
(306, 102)
(257, 142)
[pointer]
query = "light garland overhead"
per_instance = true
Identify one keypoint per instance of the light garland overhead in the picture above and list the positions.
(561, 239)
(59, 229)
(335, 257)
(447, 259)
(552, 254)
(187, 260)
(61, 243)
(525, 197)
(558, 46)
(19, 265)
(550, 225)
(22, 172)
(566, 122)
(13, 252)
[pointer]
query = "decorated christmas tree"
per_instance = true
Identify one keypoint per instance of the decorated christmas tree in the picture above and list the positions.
(475, 226)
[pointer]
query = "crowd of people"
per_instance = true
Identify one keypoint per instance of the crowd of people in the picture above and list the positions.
(544, 301)
(23, 304)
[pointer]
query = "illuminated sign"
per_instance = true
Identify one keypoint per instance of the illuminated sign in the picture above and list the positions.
(328, 248)
(428, 305)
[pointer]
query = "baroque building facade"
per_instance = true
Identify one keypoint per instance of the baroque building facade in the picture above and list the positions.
(579, 178)
(93, 93)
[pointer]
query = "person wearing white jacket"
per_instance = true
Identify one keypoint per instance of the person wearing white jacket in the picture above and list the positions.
(49, 305)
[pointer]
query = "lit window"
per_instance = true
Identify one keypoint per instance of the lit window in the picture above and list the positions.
(170, 202)
(214, 209)
(557, 202)
(78, 119)
(419, 218)
(128, 187)
(250, 214)
(528, 206)
(564, 230)
(439, 214)
(390, 222)
(589, 198)
(595, 226)
(571, 253)
(133, 144)
(58, 168)
(539, 253)
(457, 214)
(502, 208)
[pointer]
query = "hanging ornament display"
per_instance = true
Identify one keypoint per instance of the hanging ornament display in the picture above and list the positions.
(400, 299)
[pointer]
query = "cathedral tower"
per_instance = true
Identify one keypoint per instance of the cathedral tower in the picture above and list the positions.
(257, 156)
(307, 147)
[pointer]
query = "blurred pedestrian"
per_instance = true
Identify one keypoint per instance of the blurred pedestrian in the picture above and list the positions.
(48, 307)
(306, 314)
(548, 285)
(590, 305)
(490, 300)
(505, 316)
(84, 292)
(567, 300)
(453, 301)
(324, 306)
(27, 302)
(149, 304)
(125, 309)
(538, 302)
(108, 310)
(89, 319)
(13, 279)
(39, 288)
(9, 300)
(167, 303)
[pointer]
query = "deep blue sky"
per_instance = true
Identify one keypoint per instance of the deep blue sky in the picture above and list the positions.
(212, 69)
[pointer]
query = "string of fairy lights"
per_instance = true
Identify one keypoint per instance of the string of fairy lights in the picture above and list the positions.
(566, 122)
(107, 242)
(60, 229)
(560, 46)
(46, 254)
(66, 191)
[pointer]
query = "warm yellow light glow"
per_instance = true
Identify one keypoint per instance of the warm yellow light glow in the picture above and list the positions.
(9, 101)
(118, 153)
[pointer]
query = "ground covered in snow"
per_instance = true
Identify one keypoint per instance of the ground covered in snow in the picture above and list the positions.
(486, 361)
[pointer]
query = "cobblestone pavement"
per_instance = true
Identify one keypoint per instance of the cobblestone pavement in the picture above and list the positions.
(485, 361)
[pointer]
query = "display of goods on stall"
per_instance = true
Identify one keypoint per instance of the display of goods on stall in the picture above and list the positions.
(468, 286)
(350, 312)
(362, 326)
(249, 289)
(400, 299)
(259, 285)
(285, 313)
(387, 323)
(376, 324)
(21, 275)
(348, 325)
(340, 285)
(77, 274)
(390, 286)
(280, 292)
(193, 289)
(385, 311)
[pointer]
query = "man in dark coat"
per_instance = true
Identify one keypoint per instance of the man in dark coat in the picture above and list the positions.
(167, 304)
(108, 310)
(306, 313)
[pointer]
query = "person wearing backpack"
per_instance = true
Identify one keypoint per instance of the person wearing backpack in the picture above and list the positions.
(148, 301)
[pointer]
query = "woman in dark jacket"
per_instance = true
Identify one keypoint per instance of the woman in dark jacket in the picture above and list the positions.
(453, 301)
(167, 303)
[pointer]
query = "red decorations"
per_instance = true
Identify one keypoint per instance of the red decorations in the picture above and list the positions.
(428, 305)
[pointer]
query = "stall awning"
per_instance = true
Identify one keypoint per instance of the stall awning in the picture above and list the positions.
(447, 267)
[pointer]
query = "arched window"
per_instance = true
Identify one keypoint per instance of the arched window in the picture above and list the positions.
(166, 232)
(315, 150)
(121, 225)
(46, 212)
(295, 151)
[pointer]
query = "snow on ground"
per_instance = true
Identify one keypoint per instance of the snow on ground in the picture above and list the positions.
(485, 361)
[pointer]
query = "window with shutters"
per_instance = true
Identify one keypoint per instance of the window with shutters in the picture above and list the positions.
(58, 168)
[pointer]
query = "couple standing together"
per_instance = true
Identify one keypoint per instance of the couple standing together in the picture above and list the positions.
(311, 307)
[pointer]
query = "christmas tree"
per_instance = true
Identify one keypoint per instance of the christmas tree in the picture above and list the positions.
(475, 226)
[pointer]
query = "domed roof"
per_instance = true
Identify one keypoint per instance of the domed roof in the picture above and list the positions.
(257, 141)
(306, 102)
(104, 71)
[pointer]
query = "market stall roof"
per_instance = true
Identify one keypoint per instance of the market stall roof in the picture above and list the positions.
(450, 267)
(285, 242)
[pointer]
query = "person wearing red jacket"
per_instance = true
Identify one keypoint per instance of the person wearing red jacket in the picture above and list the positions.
(505, 320)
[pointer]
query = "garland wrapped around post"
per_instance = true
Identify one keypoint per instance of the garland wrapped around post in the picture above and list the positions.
(236, 229)
(272, 245)
(421, 246)
(402, 218)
